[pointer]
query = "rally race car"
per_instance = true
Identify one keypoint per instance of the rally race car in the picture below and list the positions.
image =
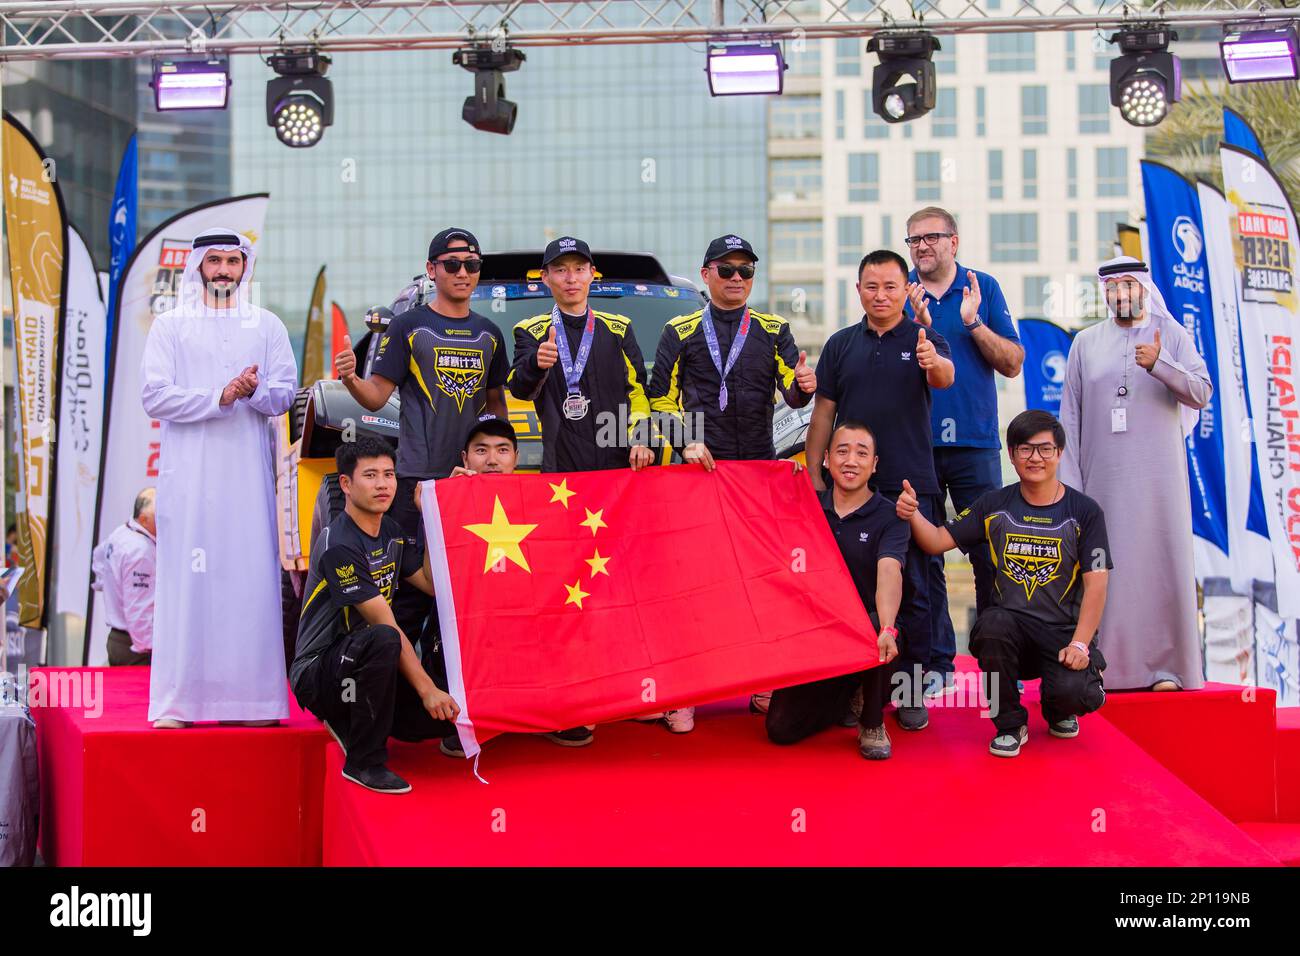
(510, 289)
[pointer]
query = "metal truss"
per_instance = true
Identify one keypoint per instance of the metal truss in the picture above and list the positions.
(79, 29)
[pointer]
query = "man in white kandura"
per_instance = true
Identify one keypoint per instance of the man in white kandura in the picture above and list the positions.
(215, 369)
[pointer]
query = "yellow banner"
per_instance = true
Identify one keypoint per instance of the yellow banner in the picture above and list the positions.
(34, 220)
(314, 365)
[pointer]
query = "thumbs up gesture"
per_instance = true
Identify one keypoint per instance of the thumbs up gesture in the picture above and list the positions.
(346, 361)
(804, 376)
(548, 353)
(905, 507)
(1148, 352)
(926, 356)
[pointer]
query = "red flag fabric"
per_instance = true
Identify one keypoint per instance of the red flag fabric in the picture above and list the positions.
(569, 599)
(338, 330)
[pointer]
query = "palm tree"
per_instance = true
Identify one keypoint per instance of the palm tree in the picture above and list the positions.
(1189, 137)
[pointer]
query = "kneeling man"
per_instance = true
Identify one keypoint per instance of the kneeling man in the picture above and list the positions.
(1050, 559)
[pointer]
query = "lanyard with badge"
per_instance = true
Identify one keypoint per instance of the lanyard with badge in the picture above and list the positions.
(715, 353)
(575, 403)
(1119, 412)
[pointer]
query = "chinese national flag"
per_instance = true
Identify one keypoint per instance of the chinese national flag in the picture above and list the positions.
(579, 598)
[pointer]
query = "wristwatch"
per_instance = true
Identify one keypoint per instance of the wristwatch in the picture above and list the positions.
(974, 325)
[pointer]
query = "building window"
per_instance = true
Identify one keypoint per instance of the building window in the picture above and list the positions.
(1013, 237)
(1069, 51)
(1036, 292)
(1033, 109)
(797, 240)
(1029, 173)
(796, 179)
(848, 235)
(945, 58)
(805, 62)
(1094, 108)
(981, 127)
(886, 232)
(1010, 52)
(848, 56)
(873, 127)
(839, 114)
(928, 184)
(864, 177)
(944, 115)
(995, 174)
(795, 117)
(1072, 234)
(803, 301)
(1112, 171)
(1072, 173)
(1108, 233)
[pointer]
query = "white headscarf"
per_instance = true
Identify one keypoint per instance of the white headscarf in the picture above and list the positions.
(191, 289)
(1155, 311)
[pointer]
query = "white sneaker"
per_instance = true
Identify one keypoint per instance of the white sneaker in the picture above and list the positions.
(680, 721)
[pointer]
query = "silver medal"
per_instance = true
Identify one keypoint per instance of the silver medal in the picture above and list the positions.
(575, 407)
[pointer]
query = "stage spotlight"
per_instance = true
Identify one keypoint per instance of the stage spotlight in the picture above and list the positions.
(488, 109)
(745, 70)
(190, 83)
(1145, 78)
(903, 84)
(1254, 56)
(300, 101)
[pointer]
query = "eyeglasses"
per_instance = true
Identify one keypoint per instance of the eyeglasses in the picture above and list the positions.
(726, 270)
(1045, 451)
(930, 238)
(472, 266)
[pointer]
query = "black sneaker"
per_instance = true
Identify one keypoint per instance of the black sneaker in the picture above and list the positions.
(913, 718)
(573, 737)
(1008, 744)
(379, 779)
(451, 746)
(1067, 728)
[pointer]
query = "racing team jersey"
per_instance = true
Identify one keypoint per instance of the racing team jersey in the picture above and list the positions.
(613, 379)
(685, 379)
(444, 368)
(348, 567)
(1040, 552)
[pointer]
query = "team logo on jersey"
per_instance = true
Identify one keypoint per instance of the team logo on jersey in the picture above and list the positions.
(346, 573)
(459, 372)
(384, 576)
(1031, 561)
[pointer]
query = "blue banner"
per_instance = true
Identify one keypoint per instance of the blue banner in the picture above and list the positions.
(1237, 132)
(121, 231)
(1047, 346)
(1176, 246)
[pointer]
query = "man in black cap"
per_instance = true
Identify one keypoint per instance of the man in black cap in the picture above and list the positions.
(593, 407)
(451, 366)
(716, 371)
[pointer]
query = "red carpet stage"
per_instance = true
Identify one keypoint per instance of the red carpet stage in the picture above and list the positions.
(1206, 778)
(116, 792)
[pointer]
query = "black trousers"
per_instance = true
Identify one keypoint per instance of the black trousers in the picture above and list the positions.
(414, 610)
(1011, 646)
(356, 686)
(916, 614)
(801, 711)
(119, 650)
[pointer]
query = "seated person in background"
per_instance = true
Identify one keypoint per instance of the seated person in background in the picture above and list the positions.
(874, 542)
(353, 667)
(1051, 559)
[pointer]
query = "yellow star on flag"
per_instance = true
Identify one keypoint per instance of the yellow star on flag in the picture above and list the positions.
(562, 493)
(597, 564)
(594, 521)
(576, 593)
(503, 538)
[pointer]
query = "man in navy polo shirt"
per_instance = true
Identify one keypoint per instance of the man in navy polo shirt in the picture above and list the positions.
(880, 372)
(967, 308)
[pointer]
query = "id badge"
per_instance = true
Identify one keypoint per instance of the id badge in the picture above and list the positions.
(1118, 420)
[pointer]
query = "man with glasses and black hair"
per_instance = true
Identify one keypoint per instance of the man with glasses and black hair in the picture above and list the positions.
(968, 309)
(715, 376)
(600, 372)
(451, 365)
(1051, 558)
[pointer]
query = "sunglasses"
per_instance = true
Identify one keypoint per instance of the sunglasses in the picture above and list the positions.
(472, 266)
(726, 270)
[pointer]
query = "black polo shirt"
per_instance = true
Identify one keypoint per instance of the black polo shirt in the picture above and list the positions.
(865, 536)
(876, 380)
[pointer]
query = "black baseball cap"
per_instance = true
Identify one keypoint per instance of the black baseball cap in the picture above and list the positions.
(725, 245)
(443, 239)
(491, 425)
(565, 246)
